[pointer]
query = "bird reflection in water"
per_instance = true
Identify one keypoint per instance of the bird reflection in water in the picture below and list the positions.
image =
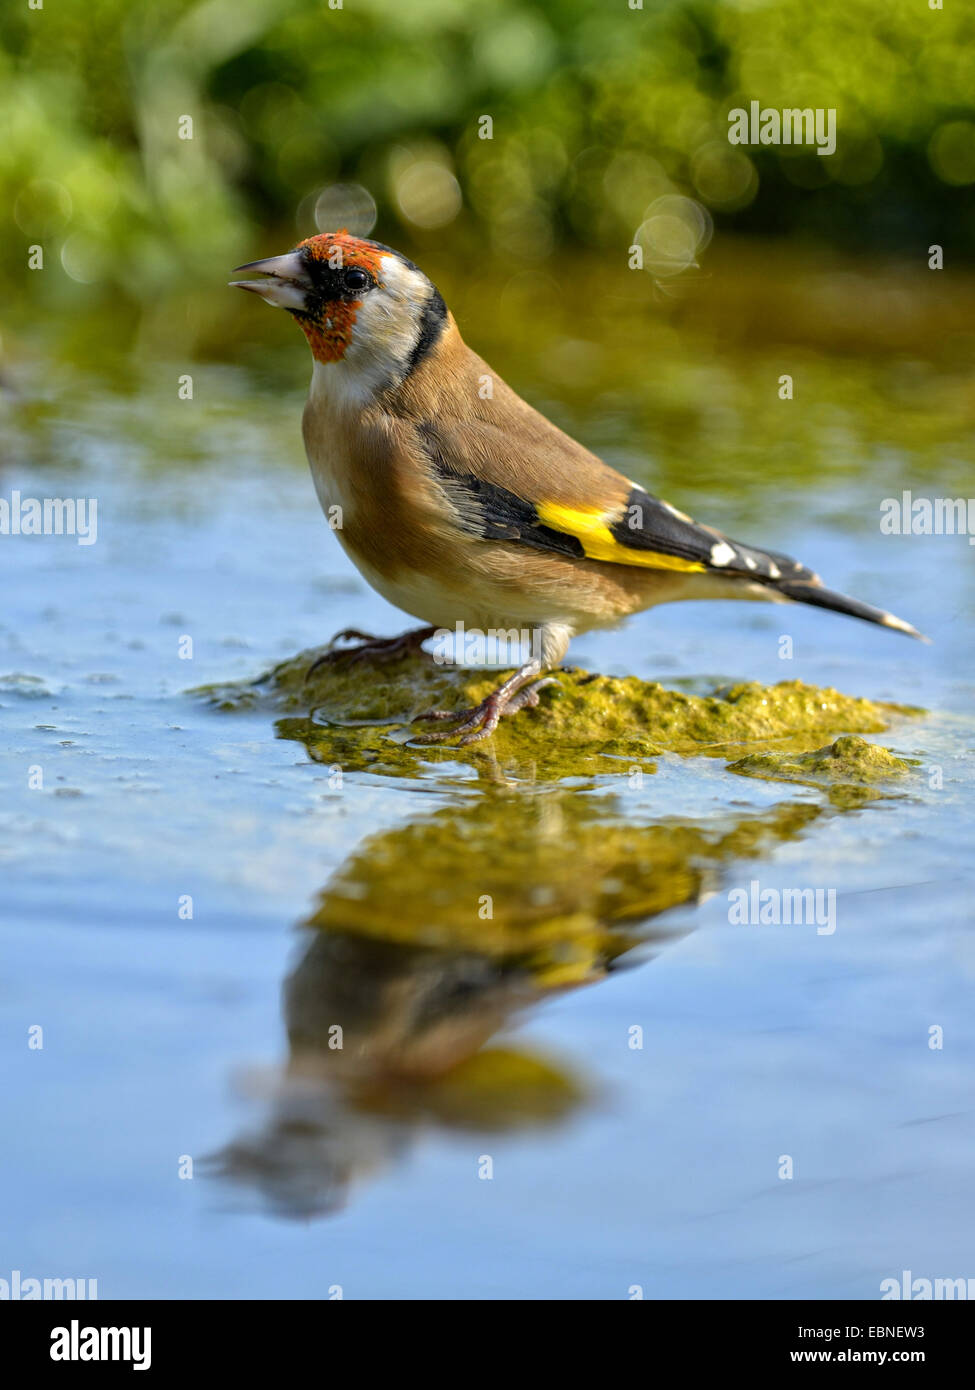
(431, 940)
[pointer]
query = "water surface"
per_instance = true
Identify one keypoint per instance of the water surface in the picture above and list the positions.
(167, 1037)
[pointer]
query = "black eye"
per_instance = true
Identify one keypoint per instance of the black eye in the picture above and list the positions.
(356, 279)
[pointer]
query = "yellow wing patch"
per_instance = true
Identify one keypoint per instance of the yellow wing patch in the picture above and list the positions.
(590, 528)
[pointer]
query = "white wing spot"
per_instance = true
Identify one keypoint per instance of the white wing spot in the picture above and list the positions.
(750, 562)
(722, 553)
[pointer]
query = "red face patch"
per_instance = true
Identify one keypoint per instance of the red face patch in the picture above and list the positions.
(341, 248)
(329, 334)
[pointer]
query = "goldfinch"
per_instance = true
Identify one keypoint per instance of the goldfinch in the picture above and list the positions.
(461, 504)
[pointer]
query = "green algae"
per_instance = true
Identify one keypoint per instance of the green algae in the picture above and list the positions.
(360, 717)
(848, 768)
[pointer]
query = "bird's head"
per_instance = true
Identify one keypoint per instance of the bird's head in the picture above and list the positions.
(358, 302)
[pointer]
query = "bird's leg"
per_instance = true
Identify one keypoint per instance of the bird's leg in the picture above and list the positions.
(369, 648)
(519, 691)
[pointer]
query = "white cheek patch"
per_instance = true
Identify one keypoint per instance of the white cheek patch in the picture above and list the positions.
(397, 277)
(387, 324)
(383, 336)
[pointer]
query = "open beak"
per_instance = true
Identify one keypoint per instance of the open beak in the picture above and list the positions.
(286, 284)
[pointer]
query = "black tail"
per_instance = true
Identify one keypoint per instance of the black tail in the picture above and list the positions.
(801, 591)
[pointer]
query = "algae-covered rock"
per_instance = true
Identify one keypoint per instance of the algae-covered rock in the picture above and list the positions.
(849, 768)
(361, 715)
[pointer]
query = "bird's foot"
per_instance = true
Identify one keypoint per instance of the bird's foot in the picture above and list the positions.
(369, 648)
(482, 720)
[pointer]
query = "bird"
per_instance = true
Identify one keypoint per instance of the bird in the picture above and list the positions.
(463, 505)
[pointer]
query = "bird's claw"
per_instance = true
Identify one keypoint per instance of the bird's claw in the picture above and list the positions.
(481, 721)
(369, 648)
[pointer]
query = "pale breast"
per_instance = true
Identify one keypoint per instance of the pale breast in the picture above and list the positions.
(400, 533)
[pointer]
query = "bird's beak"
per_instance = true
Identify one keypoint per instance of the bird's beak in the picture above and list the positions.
(287, 280)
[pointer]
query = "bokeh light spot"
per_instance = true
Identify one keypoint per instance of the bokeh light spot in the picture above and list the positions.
(83, 259)
(724, 176)
(951, 152)
(427, 194)
(346, 205)
(674, 232)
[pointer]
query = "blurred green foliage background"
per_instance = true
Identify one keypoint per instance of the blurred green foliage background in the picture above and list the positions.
(372, 114)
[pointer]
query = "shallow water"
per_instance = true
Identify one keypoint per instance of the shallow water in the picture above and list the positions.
(316, 898)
